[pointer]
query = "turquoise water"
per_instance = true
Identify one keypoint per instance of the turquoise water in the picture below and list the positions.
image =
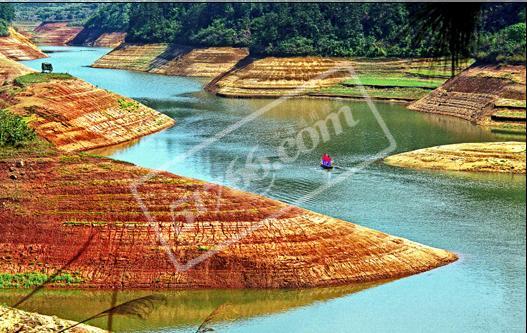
(479, 216)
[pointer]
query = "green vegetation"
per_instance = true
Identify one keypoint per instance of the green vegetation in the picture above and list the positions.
(127, 105)
(505, 46)
(510, 114)
(394, 80)
(33, 279)
(294, 29)
(511, 103)
(396, 93)
(37, 148)
(7, 14)
(32, 78)
(14, 131)
(49, 11)
(439, 72)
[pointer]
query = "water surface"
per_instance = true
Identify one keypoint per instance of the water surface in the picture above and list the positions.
(479, 216)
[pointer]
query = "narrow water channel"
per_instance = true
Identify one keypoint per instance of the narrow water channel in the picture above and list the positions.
(479, 216)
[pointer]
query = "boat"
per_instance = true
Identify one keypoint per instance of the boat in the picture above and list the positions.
(326, 166)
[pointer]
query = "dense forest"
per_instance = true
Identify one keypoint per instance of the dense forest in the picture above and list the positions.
(295, 29)
(332, 29)
(7, 14)
(76, 13)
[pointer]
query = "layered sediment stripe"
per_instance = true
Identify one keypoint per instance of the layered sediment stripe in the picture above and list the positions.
(477, 93)
(56, 202)
(279, 76)
(10, 69)
(18, 47)
(506, 157)
(75, 115)
(170, 59)
(55, 33)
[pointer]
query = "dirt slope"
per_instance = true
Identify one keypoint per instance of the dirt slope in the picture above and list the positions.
(483, 157)
(481, 94)
(172, 59)
(75, 115)
(10, 69)
(55, 203)
(14, 320)
(95, 37)
(55, 33)
(278, 76)
(18, 47)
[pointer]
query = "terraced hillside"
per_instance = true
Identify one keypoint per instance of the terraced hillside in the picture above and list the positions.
(279, 76)
(94, 37)
(482, 157)
(55, 33)
(384, 79)
(75, 115)
(59, 204)
(18, 47)
(173, 59)
(490, 95)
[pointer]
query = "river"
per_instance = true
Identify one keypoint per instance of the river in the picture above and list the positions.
(481, 217)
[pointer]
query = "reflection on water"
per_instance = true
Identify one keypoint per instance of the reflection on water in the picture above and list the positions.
(182, 309)
(479, 216)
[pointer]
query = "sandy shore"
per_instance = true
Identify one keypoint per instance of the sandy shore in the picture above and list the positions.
(481, 157)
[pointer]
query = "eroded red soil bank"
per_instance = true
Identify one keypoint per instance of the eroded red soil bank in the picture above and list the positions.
(55, 33)
(56, 203)
(75, 115)
(18, 47)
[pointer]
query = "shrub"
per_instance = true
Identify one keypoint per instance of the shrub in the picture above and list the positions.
(507, 45)
(4, 28)
(14, 131)
(33, 279)
(127, 105)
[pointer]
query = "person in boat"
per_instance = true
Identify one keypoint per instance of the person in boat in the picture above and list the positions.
(326, 161)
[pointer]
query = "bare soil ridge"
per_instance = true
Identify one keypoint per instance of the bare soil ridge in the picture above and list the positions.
(170, 59)
(19, 47)
(55, 33)
(490, 95)
(502, 157)
(75, 115)
(56, 202)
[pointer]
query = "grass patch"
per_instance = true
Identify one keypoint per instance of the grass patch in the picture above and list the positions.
(394, 81)
(510, 103)
(379, 93)
(127, 105)
(33, 279)
(510, 114)
(35, 148)
(32, 78)
(430, 72)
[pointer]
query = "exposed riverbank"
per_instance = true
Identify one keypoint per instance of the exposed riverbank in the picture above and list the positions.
(481, 157)
(75, 115)
(54, 33)
(170, 59)
(285, 246)
(14, 320)
(234, 73)
(489, 95)
(19, 47)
